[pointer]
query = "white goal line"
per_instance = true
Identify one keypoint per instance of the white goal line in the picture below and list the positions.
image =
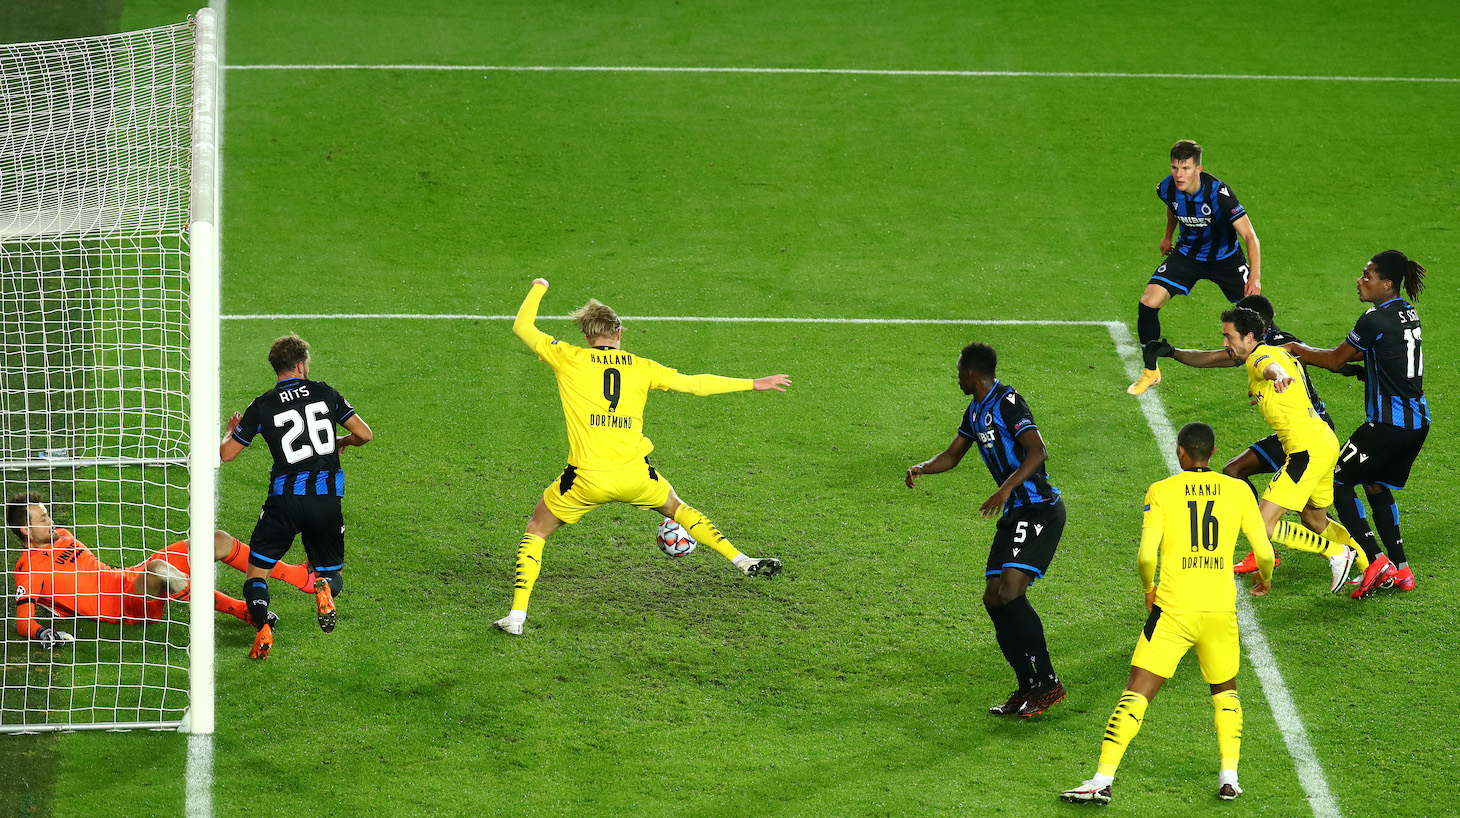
(876, 72)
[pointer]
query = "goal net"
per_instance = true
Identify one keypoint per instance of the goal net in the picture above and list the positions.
(107, 216)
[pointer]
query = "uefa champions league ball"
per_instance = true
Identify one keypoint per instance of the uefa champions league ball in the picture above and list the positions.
(674, 540)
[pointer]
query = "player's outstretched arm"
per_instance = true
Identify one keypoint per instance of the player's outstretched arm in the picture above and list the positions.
(943, 461)
(1332, 360)
(525, 326)
(1195, 358)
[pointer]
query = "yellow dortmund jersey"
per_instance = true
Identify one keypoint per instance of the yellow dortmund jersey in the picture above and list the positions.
(1192, 519)
(1290, 413)
(603, 392)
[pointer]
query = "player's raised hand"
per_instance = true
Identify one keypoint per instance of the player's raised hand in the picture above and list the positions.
(776, 382)
(542, 281)
(51, 638)
(232, 423)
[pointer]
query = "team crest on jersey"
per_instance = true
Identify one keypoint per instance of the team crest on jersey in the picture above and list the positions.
(1206, 210)
(988, 418)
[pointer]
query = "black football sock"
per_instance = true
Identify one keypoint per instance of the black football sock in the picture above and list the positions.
(1148, 328)
(1030, 630)
(1005, 633)
(1350, 511)
(1386, 519)
(256, 594)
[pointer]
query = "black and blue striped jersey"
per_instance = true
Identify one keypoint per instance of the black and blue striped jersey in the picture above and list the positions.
(1389, 336)
(994, 424)
(297, 418)
(1206, 217)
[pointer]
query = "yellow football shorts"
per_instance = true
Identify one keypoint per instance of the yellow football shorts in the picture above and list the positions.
(578, 492)
(1169, 634)
(1305, 479)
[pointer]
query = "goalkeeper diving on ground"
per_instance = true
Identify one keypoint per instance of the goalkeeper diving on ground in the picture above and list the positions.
(59, 573)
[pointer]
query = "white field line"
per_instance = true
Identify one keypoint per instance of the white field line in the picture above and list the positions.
(199, 776)
(876, 72)
(1279, 699)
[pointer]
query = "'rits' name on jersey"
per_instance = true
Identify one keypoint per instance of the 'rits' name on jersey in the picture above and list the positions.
(1206, 217)
(1389, 336)
(297, 418)
(994, 425)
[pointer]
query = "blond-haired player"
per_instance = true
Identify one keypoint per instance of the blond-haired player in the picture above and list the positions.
(603, 389)
(1191, 521)
(1305, 482)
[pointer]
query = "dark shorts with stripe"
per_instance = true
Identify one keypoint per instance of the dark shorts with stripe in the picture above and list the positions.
(1379, 454)
(1178, 274)
(1026, 538)
(317, 520)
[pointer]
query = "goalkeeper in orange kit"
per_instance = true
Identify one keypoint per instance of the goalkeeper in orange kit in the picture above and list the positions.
(59, 573)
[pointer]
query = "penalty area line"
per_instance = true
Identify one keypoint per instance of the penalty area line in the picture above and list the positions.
(1259, 653)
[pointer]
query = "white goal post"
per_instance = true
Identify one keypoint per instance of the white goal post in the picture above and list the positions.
(109, 301)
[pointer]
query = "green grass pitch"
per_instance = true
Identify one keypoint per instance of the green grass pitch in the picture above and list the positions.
(856, 683)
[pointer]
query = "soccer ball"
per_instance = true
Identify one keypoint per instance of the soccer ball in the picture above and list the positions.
(674, 540)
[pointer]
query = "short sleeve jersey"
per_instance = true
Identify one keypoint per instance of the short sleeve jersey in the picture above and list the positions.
(297, 418)
(65, 577)
(994, 425)
(1290, 413)
(1199, 513)
(603, 392)
(1389, 336)
(1206, 217)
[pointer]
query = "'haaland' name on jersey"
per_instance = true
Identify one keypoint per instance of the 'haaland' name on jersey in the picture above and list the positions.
(1202, 490)
(611, 358)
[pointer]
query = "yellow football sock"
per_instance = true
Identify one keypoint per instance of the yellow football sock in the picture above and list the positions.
(1124, 723)
(1336, 531)
(1300, 538)
(1229, 727)
(529, 564)
(704, 531)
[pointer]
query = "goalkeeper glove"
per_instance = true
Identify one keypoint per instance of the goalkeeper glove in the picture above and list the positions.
(51, 638)
(1161, 348)
(1354, 371)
